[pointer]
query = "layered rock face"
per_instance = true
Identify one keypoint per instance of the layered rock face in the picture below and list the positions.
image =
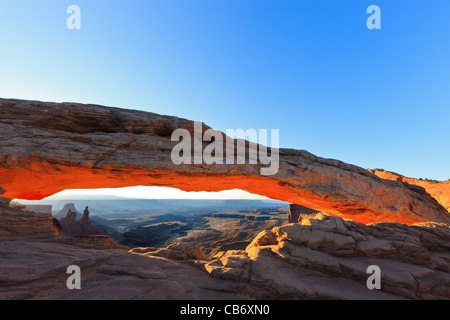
(326, 257)
(296, 212)
(440, 190)
(19, 223)
(60, 146)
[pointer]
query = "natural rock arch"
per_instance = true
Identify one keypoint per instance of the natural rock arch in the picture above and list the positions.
(48, 147)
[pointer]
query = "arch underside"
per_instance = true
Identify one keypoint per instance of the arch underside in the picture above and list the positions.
(46, 149)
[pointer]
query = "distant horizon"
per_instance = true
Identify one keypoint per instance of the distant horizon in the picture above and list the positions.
(148, 193)
(69, 200)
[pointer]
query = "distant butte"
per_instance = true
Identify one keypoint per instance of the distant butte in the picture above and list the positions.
(48, 147)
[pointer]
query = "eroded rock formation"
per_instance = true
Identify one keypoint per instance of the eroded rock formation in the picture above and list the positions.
(60, 146)
(15, 222)
(52, 147)
(440, 190)
(65, 210)
(70, 226)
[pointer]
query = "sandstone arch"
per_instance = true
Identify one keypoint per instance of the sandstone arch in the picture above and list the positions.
(48, 147)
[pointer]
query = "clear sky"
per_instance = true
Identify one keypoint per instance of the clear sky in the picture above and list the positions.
(312, 69)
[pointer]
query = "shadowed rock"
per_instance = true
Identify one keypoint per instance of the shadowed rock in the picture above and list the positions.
(70, 226)
(16, 223)
(65, 210)
(85, 219)
(296, 211)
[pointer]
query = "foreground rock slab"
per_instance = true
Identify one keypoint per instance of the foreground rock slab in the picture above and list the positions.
(321, 257)
(326, 257)
(37, 270)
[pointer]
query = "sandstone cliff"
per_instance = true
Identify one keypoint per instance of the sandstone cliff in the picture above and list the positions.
(440, 190)
(59, 146)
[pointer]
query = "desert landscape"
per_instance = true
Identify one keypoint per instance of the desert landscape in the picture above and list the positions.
(333, 221)
(199, 158)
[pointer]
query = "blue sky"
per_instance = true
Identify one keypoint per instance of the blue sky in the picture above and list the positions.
(312, 69)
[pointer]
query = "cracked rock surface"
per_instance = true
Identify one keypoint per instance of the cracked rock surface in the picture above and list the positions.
(327, 257)
(321, 257)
